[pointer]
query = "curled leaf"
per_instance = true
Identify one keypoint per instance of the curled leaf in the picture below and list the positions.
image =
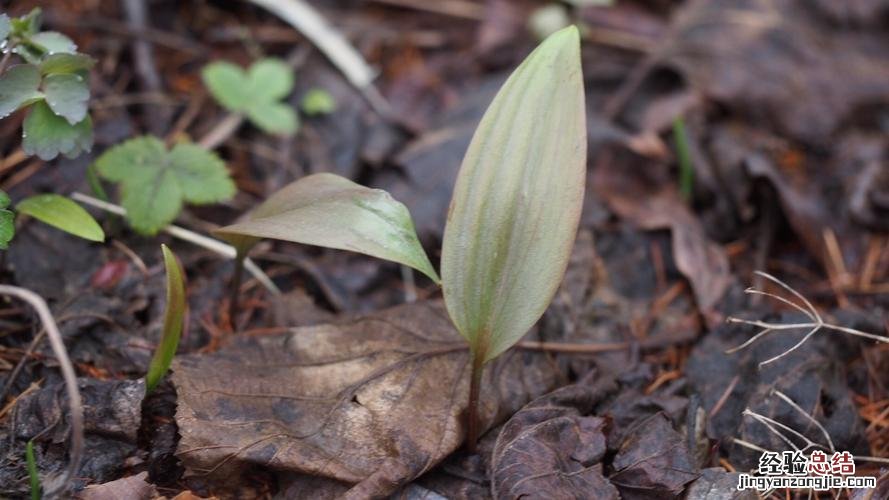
(331, 211)
(62, 213)
(517, 201)
(174, 316)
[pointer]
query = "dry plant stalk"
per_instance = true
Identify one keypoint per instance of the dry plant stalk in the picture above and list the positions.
(58, 484)
(815, 325)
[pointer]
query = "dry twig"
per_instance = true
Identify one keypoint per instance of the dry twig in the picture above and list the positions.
(814, 326)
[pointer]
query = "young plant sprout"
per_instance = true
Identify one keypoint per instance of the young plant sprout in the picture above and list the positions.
(512, 219)
(155, 181)
(174, 316)
(255, 93)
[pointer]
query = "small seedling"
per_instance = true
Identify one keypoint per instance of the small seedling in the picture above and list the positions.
(174, 317)
(52, 209)
(155, 181)
(33, 475)
(53, 83)
(683, 154)
(512, 220)
(317, 102)
(255, 93)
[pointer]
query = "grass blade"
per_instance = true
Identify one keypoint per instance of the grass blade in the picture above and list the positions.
(173, 322)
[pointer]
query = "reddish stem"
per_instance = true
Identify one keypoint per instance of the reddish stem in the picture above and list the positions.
(472, 421)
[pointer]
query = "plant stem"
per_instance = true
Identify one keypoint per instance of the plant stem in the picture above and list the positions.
(235, 289)
(475, 382)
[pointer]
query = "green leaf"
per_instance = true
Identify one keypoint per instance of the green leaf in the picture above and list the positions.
(517, 200)
(5, 27)
(274, 118)
(255, 93)
(7, 228)
(7, 222)
(67, 95)
(318, 102)
(33, 475)
(47, 135)
(269, 80)
(227, 82)
(53, 42)
(332, 211)
(62, 213)
(174, 316)
(155, 182)
(28, 24)
(65, 63)
(18, 87)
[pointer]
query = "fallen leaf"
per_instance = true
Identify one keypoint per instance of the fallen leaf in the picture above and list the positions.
(552, 445)
(718, 484)
(651, 205)
(653, 461)
(766, 58)
(374, 401)
(132, 488)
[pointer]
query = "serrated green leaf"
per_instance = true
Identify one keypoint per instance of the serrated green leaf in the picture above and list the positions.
(269, 80)
(174, 321)
(65, 63)
(47, 135)
(332, 211)
(201, 174)
(517, 200)
(155, 182)
(5, 27)
(227, 82)
(67, 96)
(62, 213)
(274, 118)
(317, 102)
(18, 87)
(7, 227)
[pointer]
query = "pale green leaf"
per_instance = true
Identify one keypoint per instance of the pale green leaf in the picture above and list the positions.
(317, 102)
(65, 63)
(255, 92)
(5, 27)
(48, 135)
(67, 96)
(27, 25)
(154, 182)
(18, 87)
(174, 321)
(274, 118)
(269, 80)
(53, 42)
(62, 213)
(227, 82)
(517, 200)
(331, 211)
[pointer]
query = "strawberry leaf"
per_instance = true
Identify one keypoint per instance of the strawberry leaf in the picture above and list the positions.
(154, 181)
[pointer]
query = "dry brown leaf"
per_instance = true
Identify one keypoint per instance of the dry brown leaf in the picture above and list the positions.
(132, 488)
(374, 401)
(703, 262)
